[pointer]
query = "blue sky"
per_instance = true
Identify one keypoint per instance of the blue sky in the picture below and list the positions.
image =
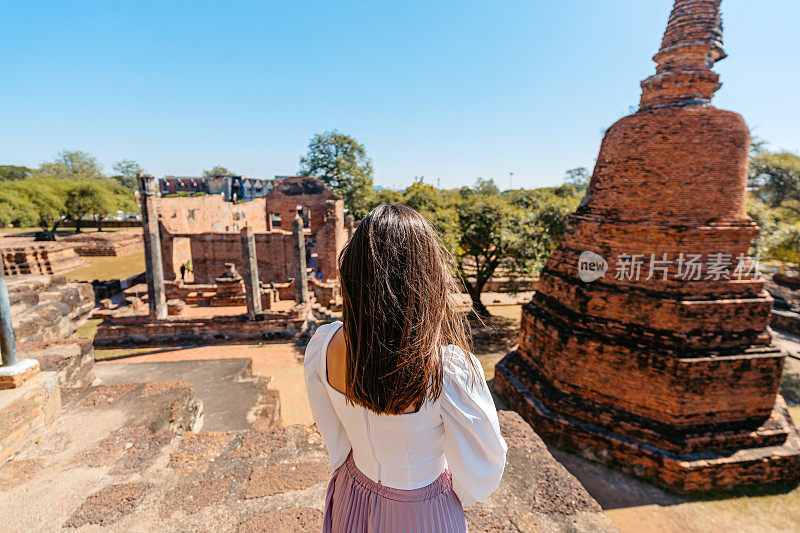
(447, 90)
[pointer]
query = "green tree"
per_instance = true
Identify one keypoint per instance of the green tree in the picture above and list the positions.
(491, 232)
(433, 205)
(578, 177)
(47, 195)
(116, 197)
(96, 199)
(73, 165)
(126, 171)
(783, 244)
(11, 172)
(775, 180)
(516, 231)
(217, 171)
(383, 196)
(15, 207)
(81, 199)
(342, 163)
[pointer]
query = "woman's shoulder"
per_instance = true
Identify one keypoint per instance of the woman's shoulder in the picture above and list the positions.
(315, 349)
(460, 367)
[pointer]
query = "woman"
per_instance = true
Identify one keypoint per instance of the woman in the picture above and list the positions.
(400, 401)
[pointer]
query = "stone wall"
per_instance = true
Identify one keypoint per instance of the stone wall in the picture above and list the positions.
(210, 214)
(48, 307)
(210, 251)
(325, 222)
(26, 411)
(787, 321)
(138, 331)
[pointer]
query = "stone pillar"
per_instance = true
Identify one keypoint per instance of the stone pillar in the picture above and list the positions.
(351, 224)
(301, 276)
(148, 193)
(9, 352)
(13, 373)
(252, 286)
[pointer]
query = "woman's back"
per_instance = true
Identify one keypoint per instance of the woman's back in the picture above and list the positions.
(458, 431)
(409, 423)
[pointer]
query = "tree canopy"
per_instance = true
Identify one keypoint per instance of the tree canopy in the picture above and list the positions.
(774, 202)
(11, 172)
(73, 165)
(342, 163)
(72, 187)
(126, 171)
(218, 170)
(487, 231)
(775, 179)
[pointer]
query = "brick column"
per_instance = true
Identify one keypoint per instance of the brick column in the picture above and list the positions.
(252, 286)
(300, 277)
(148, 193)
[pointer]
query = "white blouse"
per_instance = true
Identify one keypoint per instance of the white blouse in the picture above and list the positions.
(459, 430)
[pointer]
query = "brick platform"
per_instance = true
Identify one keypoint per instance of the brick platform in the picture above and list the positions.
(177, 330)
(109, 243)
(671, 378)
(23, 255)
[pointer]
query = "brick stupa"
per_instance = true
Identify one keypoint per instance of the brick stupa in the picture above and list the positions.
(674, 380)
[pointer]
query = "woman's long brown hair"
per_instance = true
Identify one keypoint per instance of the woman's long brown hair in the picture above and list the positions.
(398, 311)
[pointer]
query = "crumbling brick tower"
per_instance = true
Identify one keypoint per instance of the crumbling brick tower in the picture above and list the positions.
(673, 378)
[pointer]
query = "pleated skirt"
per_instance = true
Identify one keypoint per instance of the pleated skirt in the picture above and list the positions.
(356, 504)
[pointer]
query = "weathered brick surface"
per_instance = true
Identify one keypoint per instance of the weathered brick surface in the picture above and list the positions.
(72, 358)
(675, 380)
(47, 307)
(787, 321)
(26, 410)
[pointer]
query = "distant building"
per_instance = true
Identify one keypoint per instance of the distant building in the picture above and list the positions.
(245, 189)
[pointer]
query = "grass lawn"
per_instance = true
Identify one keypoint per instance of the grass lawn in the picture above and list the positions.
(14, 231)
(104, 268)
(89, 329)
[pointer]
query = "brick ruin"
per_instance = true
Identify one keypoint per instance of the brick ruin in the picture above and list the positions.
(115, 243)
(206, 231)
(269, 240)
(23, 255)
(674, 379)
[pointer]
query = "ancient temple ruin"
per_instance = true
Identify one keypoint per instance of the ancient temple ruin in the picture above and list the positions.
(204, 230)
(218, 270)
(646, 346)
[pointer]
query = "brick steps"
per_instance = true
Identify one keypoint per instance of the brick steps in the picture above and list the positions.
(682, 473)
